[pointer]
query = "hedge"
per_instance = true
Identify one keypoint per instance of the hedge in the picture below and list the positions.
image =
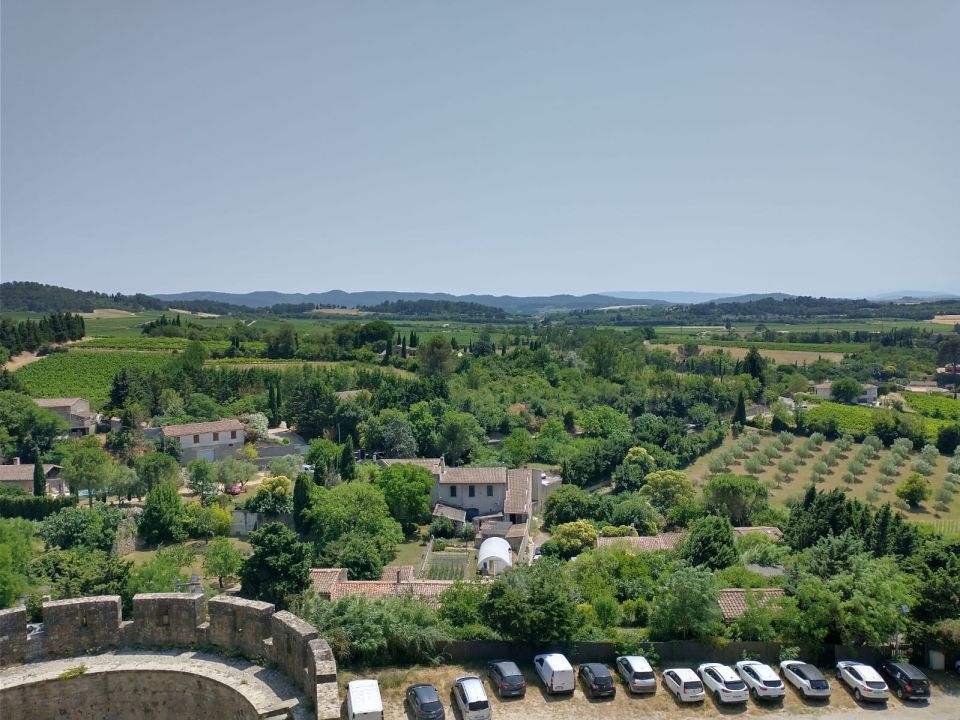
(33, 508)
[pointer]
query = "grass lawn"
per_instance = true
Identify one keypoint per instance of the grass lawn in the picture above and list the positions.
(139, 557)
(409, 553)
(948, 522)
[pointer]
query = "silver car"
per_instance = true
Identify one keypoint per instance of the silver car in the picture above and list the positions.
(806, 678)
(636, 673)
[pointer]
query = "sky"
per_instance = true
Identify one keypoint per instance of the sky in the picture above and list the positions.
(502, 147)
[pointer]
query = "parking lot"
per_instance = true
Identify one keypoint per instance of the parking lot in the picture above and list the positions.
(944, 705)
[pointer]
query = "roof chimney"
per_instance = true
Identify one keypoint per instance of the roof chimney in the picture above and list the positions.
(16, 461)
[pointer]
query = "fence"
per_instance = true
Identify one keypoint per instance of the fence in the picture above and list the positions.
(243, 522)
(426, 558)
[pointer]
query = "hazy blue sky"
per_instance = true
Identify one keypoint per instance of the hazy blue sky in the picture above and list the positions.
(504, 147)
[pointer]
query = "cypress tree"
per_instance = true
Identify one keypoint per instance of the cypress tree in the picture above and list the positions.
(320, 474)
(740, 413)
(403, 347)
(347, 465)
(301, 500)
(39, 479)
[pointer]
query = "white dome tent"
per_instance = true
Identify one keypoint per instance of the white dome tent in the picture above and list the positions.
(494, 556)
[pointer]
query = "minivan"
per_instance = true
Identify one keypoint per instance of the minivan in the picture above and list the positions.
(555, 672)
(363, 700)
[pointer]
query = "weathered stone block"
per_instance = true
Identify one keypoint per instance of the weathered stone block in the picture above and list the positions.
(239, 625)
(290, 637)
(78, 625)
(168, 619)
(13, 636)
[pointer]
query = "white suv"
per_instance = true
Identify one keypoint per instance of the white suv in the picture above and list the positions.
(865, 682)
(763, 682)
(471, 698)
(726, 685)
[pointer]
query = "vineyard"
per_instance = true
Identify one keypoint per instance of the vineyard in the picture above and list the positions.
(145, 343)
(83, 374)
(934, 406)
(447, 566)
(857, 420)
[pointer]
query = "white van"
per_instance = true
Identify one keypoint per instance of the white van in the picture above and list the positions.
(363, 700)
(555, 672)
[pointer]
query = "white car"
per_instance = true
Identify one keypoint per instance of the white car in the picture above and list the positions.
(471, 698)
(684, 683)
(762, 681)
(865, 682)
(806, 678)
(636, 673)
(726, 685)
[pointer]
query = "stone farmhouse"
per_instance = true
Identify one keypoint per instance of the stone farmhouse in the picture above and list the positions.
(76, 411)
(21, 476)
(207, 440)
(867, 397)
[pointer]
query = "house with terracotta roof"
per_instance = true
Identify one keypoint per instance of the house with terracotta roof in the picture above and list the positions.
(207, 440)
(76, 411)
(396, 581)
(644, 543)
(21, 476)
(734, 602)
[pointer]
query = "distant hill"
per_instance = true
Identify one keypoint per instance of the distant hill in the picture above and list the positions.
(913, 295)
(754, 297)
(37, 297)
(679, 297)
(369, 298)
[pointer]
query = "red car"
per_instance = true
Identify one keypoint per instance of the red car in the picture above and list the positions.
(235, 490)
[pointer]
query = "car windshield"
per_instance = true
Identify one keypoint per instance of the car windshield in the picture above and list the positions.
(643, 676)
(876, 685)
(735, 684)
(478, 705)
(693, 686)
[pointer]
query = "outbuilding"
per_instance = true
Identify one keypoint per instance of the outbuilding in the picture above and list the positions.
(494, 556)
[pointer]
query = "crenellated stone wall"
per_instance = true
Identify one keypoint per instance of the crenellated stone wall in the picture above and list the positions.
(233, 625)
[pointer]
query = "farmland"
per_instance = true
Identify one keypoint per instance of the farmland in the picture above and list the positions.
(146, 343)
(870, 485)
(450, 565)
(858, 419)
(784, 353)
(83, 374)
(933, 406)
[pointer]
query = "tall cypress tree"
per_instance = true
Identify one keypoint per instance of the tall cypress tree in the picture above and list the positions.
(403, 347)
(740, 412)
(301, 500)
(39, 479)
(347, 465)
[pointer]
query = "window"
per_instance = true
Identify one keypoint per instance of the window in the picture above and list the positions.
(489, 490)
(196, 439)
(216, 436)
(233, 434)
(453, 491)
(473, 491)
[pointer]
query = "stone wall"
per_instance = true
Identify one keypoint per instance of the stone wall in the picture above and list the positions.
(243, 522)
(233, 625)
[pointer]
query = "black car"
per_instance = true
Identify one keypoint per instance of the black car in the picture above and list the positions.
(424, 702)
(905, 680)
(506, 678)
(597, 680)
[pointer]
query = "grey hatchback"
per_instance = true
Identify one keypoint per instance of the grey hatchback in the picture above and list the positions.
(506, 678)
(424, 702)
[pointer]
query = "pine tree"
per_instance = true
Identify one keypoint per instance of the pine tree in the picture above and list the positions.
(740, 413)
(39, 479)
(347, 465)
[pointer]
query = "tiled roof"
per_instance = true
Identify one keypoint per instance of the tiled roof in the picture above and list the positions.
(733, 601)
(517, 499)
(516, 531)
(431, 464)
(202, 427)
(56, 402)
(427, 591)
(455, 514)
(324, 579)
(19, 473)
(397, 573)
(773, 532)
(474, 476)
(663, 541)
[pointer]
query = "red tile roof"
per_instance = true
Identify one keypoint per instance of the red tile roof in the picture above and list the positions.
(19, 473)
(397, 573)
(324, 579)
(455, 514)
(517, 499)
(648, 543)
(733, 602)
(202, 427)
(427, 591)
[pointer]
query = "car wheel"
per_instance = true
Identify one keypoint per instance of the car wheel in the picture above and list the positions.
(678, 696)
(900, 693)
(754, 693)
(716, 696)
(857, 696)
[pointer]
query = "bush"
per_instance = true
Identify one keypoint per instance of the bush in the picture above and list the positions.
(442, 527)
(33, 508)
(468, 532)
(439, 545)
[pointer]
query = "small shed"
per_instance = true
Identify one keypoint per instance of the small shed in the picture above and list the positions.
(494, 556)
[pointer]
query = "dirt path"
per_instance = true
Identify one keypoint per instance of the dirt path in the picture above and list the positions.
(25, 358)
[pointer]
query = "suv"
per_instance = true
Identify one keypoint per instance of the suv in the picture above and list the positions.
(597, 680)
(726, 685)
(907, 682)
(865, 682)
(424, 702)
(471, 698)
(636, 673)
(763, 682)
(506, 679)
(806, 678)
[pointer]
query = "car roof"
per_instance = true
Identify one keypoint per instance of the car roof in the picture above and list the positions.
(365, 696)
(683, 673)
(866, 672)
(425, 691)
(472, 687)
(724, 671)
(556, 661)
(764, 671)
(597, 668)
(507, 667)
(908, 670)
(637, 662)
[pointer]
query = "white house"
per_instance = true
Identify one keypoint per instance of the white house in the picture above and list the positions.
(207, 440)
(21, 476)
(867, 397)
(76, 411)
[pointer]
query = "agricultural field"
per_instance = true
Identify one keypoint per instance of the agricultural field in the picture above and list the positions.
(933, 406)
(266, 363)
(788, 468)
(450, 565)
(784, 353)
(84, 374)
(858, 419)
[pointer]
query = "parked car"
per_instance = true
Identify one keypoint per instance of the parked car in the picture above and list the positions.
(806, 678)
(506, 678)
(724, 683)
(363, 700)
(865, 682)
(597, 680)
(234, 490)
(636, 673)
(424, 702)
(556, 672)
(761, 680)
(684, 683)
(471, 698)
(906, 680)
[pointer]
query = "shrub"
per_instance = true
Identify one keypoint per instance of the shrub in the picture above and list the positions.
(922, 467)
(442, 527)
(439, 545)
(914, 490)
(873, 496)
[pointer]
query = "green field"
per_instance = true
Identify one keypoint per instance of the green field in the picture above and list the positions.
(448, 565)
(934, 406)
(858, 419)
(796, 484)
(83, 374)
